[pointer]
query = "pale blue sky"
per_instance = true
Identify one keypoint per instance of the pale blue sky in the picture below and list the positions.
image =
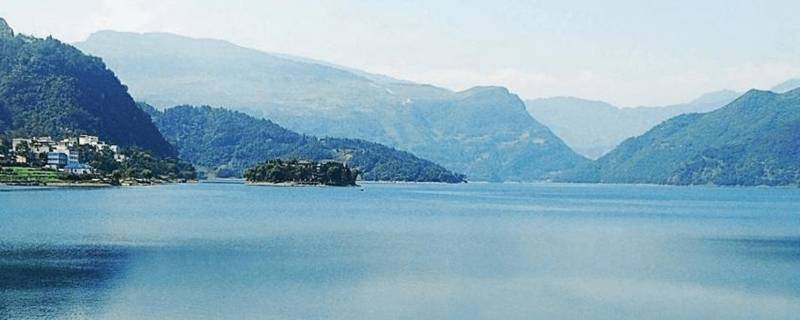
(625, 52)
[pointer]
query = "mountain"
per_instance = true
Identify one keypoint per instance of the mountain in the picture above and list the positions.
(786, 86)
(754, 140)
(228, 142)
(5, 30)
(484, 132)
(51, 88)
(593, 128)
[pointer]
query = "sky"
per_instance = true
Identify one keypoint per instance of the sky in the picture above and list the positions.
(628, 53)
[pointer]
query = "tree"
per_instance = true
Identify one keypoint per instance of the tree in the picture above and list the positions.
(302, 172)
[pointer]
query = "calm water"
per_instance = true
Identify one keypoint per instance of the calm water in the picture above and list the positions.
(477, 251)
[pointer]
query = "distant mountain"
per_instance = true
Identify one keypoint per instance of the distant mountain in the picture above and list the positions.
(593, 128)
(754, 140)
(786, 86)
(484, 132)
(228, 142)
(50, 88)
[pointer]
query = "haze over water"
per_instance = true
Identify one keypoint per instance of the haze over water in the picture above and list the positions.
(474, 251)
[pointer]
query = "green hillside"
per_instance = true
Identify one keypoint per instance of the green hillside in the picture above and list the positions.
(229, 142)
(754, 140)
(48, 88)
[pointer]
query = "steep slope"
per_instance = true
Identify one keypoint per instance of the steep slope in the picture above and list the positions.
(229, 142)
(485, 132)
(593, 128)
(754, 140)
(50, 88)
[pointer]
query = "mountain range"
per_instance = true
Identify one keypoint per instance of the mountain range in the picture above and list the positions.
(755, 140)
(48, 88)
(593, 128)
(228, 142)
(484, 132)
(786, 86)
(51, 88)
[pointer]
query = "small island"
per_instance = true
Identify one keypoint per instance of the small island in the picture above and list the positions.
(301, 172)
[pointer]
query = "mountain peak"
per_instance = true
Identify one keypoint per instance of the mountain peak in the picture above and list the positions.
(753, 97)
(757, 92)
(5, 29)
(482, 89)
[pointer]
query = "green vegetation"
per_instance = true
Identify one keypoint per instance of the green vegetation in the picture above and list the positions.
(229, 141)
(30, 176)
(754, 140)
(48, 88)
(593, 128)
(302, 172)
(138, 166)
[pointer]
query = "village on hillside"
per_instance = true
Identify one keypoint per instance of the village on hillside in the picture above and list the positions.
(60, 155)
(85, 160)
(48, 161)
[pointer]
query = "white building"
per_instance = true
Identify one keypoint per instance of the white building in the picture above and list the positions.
(87, 139)
(94, 141)
(78, 169)
(36, 145)
(62, 147)
(43, 140)
(40, 148)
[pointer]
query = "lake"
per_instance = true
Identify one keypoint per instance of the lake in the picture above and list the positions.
(400, 251)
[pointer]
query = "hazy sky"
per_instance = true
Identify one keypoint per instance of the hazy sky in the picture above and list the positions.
(630, 53)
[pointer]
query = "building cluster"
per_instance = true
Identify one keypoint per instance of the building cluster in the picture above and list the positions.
(62, 155)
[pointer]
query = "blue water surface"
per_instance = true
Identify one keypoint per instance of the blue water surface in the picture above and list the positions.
(400, 251)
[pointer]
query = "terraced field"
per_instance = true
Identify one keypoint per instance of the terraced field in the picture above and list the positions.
(23, 175)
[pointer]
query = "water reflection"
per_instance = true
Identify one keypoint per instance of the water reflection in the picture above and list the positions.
(784, 248)
(50, 282)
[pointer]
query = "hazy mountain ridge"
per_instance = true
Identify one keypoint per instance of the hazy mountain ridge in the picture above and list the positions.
(786, 86)
(484, 132)
(166, 69)
(51, 88)
(228, 142)
(754, 140)
(594, 128)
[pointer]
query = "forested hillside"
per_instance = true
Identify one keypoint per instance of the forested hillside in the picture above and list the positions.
(755, 140)
(48, 88)
(228, 142)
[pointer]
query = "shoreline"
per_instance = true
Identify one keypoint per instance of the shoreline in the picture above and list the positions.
(90, 184)
(78, 185)
(411, 182)
(291, 184)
